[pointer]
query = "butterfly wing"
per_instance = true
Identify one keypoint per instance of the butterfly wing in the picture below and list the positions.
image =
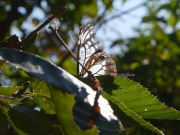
(91, 55)
(86, 46)
(100, 63)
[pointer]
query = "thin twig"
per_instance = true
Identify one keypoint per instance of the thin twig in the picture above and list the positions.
(60, 11)
(66, 56)
(122, 13)
(64, 44)
(104, 12)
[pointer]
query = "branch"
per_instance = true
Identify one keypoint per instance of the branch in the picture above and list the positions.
(122, 13)
(60, 11)
(104, 12)
(64, 44)
(67, 55)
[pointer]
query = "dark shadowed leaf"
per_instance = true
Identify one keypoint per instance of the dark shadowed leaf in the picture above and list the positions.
(3, 124)
(25, 120)
(84, 95)
(26, 44)
(11, 42)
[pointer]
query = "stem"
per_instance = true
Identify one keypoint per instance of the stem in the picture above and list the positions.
(35, 95)
(60, 11)
(64, 44)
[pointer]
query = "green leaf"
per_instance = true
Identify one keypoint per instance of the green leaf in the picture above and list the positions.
(172, 20)
(139, 100)
(26, 121)
(9, 100)
(64, 113)
(27, 43)
(42, 98)
(8, 91)
(1, 64)
(148, 19)
(135, 119)
(127, 116)
(136, 102)
(4, 103)
(44, 70)
(21, 91)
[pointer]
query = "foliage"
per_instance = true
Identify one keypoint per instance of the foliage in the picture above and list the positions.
(52, 101)
(153, 56)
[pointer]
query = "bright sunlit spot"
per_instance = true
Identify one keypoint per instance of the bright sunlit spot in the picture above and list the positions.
(22, 10)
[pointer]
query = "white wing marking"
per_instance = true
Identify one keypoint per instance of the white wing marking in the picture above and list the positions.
(91, 55)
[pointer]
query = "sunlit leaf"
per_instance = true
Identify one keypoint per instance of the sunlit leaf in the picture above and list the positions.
(7, 91)
(134, 120)
(64, 113)
(42, 99)
(84, 95)
(22, 90)
(139, 100)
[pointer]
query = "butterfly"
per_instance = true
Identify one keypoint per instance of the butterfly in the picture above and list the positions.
(96, 62)
(91, 55)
